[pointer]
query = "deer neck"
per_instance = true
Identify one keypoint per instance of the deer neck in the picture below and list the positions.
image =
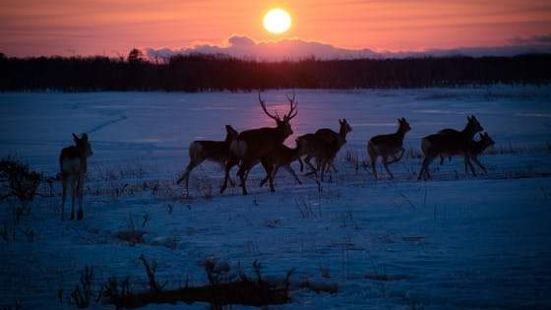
(400, 134)
(281, 135)
(468, 132)
(342, 135)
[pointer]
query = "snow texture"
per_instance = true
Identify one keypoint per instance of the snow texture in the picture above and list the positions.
(455, 241)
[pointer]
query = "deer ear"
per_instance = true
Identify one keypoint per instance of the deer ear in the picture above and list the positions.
(75, 137)
(84, 137)
(231, 131)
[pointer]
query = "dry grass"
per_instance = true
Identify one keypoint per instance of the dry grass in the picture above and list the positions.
(224, 288)
(131, 234)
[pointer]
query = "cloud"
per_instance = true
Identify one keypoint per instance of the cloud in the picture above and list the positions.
(291, 49)
(296, 49)
(533, 40)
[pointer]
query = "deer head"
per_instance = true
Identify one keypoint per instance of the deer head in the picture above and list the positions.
(345, 127)
(473, 125)
(283, 123)
(404, 125)
(486, 140)
(231, 133)
(83, 145)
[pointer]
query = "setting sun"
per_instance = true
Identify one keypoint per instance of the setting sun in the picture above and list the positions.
(277, 21)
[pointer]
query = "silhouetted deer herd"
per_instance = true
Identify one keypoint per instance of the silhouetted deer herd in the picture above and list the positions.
(266, 146)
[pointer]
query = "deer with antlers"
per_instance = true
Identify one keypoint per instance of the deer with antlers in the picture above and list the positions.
(215, 151)
(450, 143)
(254, 145)
(324, 145)
(73, 164)
(388, 147)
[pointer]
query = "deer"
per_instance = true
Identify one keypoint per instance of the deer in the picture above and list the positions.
(388, 146)
(447, 131)
(215, 151)
(313, 146)
(476, 148)
(449, 144)
(73, 164)
(326, 143)
(252, 146)
(281, 157)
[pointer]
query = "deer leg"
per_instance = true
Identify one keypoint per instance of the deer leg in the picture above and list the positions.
(301, 164)
(468, 163)
(427, 170)
(441, 160)
(330, 165)
(480, 165)
(373, 159)
(399, 157)
(424, 172)
(292, 172)
(272, 176)
(80, 191)
(268, 168)
(64, 195)
(231, 162)
(243, 173)
(307, 160)
(396, 158)
(186, 173)
(385, 164)
(311, 166)
(185, 176)
(321, 168)
(266, 178)
(73, 196)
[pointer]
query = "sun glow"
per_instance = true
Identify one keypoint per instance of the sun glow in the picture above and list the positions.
(277, 21)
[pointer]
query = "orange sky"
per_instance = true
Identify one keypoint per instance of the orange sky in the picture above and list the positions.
(112, 27)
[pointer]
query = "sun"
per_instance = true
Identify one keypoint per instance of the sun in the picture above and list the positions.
(277, 21)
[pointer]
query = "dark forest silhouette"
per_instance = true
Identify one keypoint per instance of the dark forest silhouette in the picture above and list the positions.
(219, 72)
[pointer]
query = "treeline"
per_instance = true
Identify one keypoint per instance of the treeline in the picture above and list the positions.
(212, 73)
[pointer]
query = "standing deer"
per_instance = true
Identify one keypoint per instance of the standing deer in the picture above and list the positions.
(328, 143)
(73, 164)
(449, 144)
(282, 156)
(252, 146)
(388, 146)
(216, 151)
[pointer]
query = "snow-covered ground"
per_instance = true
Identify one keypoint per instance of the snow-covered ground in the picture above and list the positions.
(454, 242)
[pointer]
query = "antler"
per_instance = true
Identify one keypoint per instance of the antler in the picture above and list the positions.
(263, 105)
(292, 107)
